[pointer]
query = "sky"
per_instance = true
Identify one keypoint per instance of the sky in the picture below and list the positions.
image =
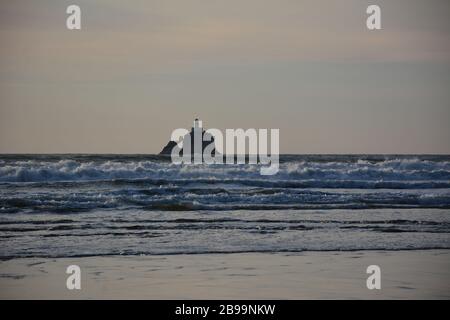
(139, 69)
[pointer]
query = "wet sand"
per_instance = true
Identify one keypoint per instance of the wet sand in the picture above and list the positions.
(423, 274)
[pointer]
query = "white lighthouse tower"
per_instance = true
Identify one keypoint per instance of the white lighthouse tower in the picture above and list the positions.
(197, 124)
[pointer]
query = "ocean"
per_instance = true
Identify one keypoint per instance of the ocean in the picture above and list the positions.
(103, 205)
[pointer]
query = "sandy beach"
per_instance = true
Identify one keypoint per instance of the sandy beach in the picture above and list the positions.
(423, 274)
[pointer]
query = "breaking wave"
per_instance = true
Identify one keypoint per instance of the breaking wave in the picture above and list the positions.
(390, 172)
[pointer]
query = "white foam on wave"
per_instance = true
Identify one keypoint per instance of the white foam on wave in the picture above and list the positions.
(362, 170)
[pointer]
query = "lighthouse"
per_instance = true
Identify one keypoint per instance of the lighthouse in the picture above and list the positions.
(194, 143)
(197, 124)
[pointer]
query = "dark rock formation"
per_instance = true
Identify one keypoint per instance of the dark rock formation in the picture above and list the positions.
(167, 150)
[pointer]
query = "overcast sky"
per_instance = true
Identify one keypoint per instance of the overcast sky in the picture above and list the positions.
(139, 69)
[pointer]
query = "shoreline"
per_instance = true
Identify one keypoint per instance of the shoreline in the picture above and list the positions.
(280, 252)
(405, 274)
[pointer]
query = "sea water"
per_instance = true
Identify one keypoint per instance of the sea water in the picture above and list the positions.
(97, 205)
